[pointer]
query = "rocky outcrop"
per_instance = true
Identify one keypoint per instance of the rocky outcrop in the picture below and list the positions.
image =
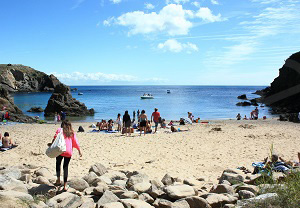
(19, 78)
(7, 104)
(283, 96)
(62, 100)
(36, 109)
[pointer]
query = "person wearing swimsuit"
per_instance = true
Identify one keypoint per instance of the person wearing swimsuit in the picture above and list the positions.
(143, 122)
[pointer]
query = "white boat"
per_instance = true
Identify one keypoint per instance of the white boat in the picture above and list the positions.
(147, 96)
(80, 93)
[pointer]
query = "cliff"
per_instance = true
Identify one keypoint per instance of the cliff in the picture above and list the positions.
(15, 113)
(283, 95)
(19, 78)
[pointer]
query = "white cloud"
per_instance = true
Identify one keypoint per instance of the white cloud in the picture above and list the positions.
(149, 6)
(176, 1)
(215, 2)
(174, 46)
(196, 4)
(98, 76)
(207, 15)
(171, 19)
(116, 1)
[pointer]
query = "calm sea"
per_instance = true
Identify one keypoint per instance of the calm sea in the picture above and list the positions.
(206, 102)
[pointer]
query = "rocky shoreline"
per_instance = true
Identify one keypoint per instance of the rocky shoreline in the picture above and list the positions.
(19, 78)
(31, 186)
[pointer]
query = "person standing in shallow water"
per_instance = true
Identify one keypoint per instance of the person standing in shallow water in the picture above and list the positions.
(71, 142)
(133, 119)
(138, 114)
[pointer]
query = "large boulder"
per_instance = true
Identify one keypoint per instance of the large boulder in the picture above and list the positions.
(180, 191)
(222, 189)
(78, 184)
(98, 168)
(219, 200)
(138, 178)
(62, 100)
(134, 203)
(193, 202)
(107, 197)
(15, 195)
(65, 199)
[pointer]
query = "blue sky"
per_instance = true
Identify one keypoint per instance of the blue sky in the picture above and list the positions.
(180, 42)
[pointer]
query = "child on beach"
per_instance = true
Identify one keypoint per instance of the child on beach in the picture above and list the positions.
(238, 117)
(119, 122)
(71, 142)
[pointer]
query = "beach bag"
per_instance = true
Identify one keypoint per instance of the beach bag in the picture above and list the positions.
(58, 146)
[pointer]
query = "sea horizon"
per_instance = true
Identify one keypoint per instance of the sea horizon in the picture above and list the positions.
(109, 100)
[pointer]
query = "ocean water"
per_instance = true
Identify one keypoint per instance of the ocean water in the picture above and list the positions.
(206, 102)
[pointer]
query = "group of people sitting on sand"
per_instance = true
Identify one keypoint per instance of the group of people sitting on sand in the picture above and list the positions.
(253, 115)
(143, 124)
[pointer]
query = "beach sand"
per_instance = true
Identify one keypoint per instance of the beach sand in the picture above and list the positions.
(198, 153)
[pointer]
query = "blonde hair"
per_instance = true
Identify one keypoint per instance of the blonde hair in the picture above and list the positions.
(67, 128)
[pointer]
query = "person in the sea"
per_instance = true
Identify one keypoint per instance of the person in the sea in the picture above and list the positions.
(138, 115)
(155, 117)
(119, 122)
(7, 141)
(127, 123)
(133, 119)
(238, 117)
(143, 122)
(71, 142)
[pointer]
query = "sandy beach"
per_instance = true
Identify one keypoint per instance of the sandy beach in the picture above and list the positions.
(198, 153)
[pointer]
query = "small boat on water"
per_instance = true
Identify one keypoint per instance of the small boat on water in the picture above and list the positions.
(80, 93)
(147, 96)
(168, 91)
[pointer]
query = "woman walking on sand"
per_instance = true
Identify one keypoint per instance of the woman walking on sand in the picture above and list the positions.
(127, 123)
(143, 122)
(71, 142)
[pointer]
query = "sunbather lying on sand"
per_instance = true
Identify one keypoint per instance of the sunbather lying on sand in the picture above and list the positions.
(173, 129)
(276, 164)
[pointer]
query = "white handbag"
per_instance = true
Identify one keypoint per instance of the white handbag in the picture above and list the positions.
(58, 146)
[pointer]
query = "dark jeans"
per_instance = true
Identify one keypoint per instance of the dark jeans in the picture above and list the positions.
(65, 166)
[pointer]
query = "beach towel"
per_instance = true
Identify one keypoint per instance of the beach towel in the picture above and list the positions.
(3, 149)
